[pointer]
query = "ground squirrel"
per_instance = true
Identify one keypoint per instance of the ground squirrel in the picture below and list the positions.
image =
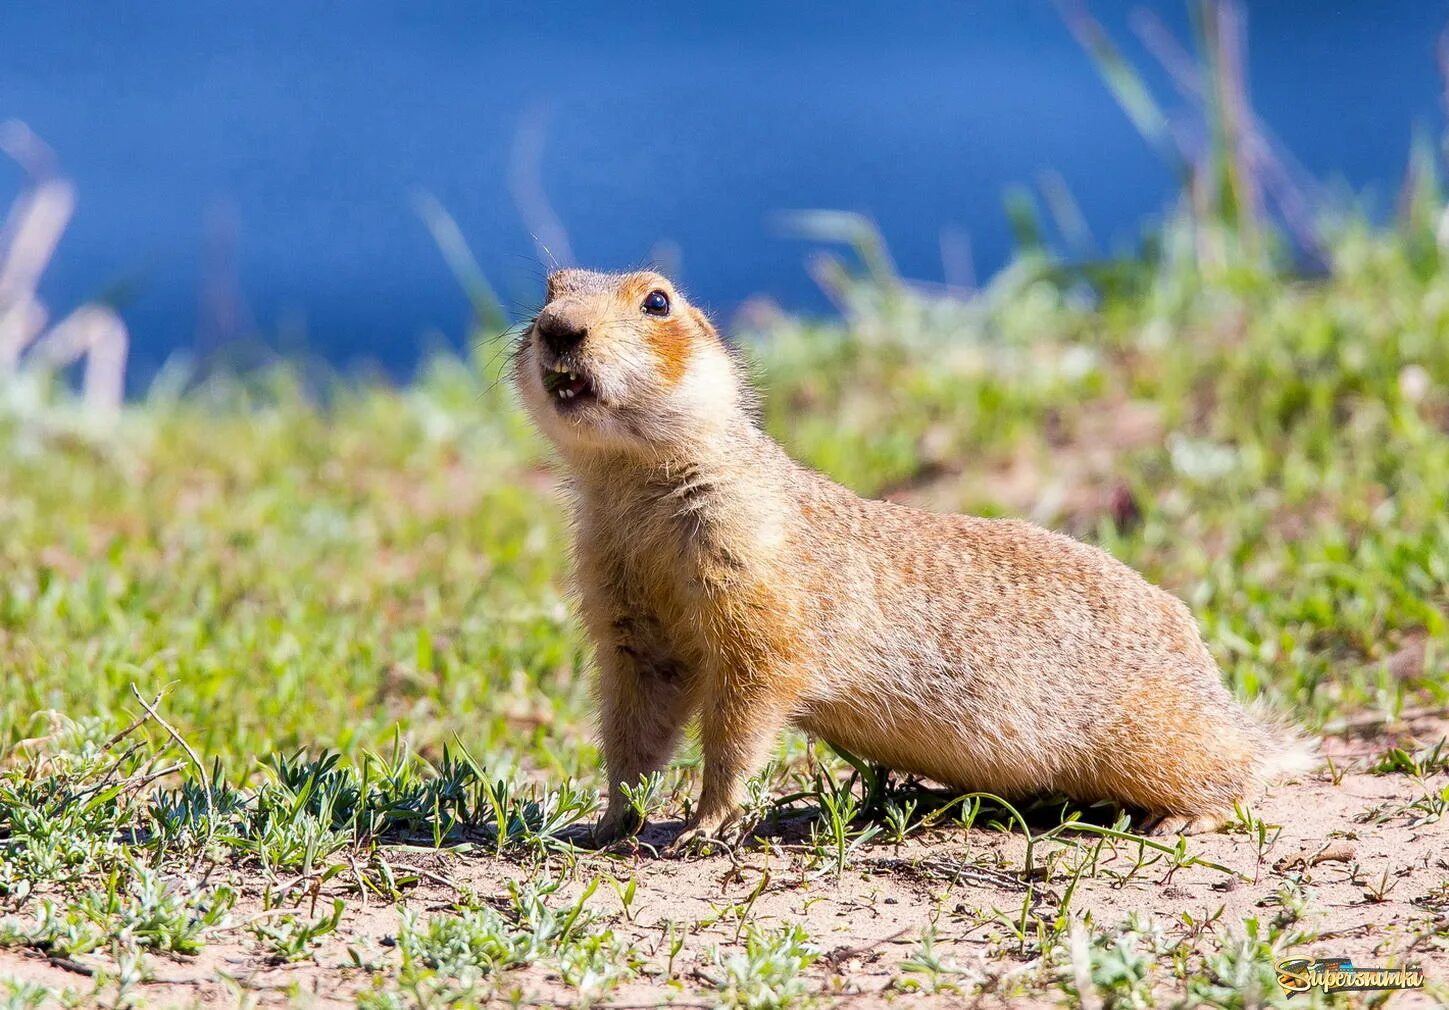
(718, 577)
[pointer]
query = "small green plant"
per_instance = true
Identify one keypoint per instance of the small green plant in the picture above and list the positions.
(1420, 764)
(1264, 835)
(899, 820)
(759, 799)
(292, 939)
(970, 810)
(645, 797)
(1115, 969)
(149, 912)
(53, 929)
(21, 995)
(534, 819)
(833, 837)
(464, 947)
(766, 974)
(1378, 891)
(937, 975)
(158, 913)
(1432, 806)
(626, 893)
(461, 957)
(596, 963)
(1242, 974)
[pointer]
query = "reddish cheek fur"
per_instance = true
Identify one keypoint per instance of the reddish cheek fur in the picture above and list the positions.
(670, 340)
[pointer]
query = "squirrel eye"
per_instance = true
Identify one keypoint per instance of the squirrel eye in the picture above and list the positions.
(656, 303)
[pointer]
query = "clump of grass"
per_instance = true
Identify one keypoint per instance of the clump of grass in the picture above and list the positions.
(94, 805)
(766, 974)
(1420, 764)
(463, 957)
(20, 995)
(290, 938)
(1243, 972)
(835, 837)
(928, 971)
(1115, 968)
(147, 912)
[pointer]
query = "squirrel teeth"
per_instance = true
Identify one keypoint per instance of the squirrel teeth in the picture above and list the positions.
(570, 387)
(564, 384)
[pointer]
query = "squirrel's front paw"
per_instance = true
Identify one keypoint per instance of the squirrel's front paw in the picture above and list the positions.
(694, 841)
(701, 836)
(615, 827)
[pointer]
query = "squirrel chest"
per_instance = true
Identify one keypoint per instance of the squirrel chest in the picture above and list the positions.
(696, 566)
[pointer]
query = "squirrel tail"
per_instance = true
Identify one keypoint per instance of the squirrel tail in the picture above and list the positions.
(1287, 751)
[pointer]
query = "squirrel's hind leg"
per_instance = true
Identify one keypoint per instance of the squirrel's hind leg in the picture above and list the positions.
(1183, 824)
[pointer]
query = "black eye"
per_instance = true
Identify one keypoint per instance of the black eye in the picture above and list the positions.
(656, 303)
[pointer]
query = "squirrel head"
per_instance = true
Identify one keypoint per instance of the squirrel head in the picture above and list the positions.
(623, 363)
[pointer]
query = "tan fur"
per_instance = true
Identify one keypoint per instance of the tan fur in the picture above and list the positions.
(718, 577)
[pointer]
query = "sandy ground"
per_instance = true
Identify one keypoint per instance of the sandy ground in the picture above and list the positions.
(1374, 886)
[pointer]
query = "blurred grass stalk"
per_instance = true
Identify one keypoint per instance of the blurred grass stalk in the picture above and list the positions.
(1220, 153)
(488, 313)
(1231, 170)
(32, 352)
(1245, 212)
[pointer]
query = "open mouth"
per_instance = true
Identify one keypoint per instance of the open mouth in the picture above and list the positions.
(567, 387)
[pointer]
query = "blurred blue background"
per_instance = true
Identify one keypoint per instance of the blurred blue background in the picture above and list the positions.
(251, 169)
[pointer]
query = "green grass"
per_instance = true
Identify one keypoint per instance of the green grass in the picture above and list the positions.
(353, 616)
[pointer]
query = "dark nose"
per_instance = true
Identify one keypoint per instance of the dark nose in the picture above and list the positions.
(559, 332)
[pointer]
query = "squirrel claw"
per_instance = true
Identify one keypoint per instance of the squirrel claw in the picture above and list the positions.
(624, 845)
(696, 841)
(603, 840)
(1181, 824)
(614, 831)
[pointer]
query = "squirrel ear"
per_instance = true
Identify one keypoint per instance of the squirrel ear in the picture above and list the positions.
(704, 323)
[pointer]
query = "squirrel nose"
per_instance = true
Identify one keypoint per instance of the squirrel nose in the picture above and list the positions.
(560, 333)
